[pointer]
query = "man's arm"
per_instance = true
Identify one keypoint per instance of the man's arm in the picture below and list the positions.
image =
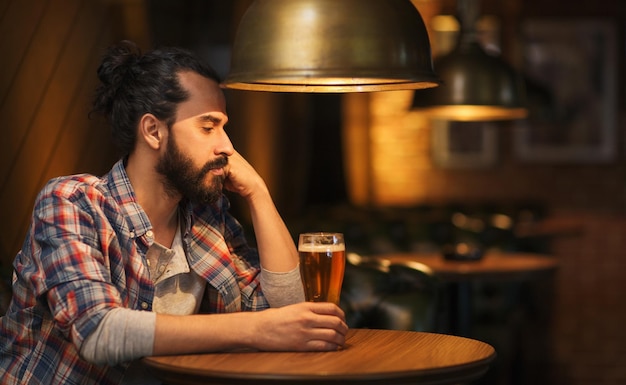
(276, 248)
(305, 326)
(126, 335)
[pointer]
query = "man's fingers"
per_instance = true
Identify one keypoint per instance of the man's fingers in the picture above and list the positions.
(326, 308)
(326, 340)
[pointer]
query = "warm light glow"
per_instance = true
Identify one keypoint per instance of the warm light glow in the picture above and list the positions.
(444, 23)
(476, 113)
(502, 221)
(329, 85)
(386, 149)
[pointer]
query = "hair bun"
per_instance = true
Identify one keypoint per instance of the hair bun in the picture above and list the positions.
(117, 63)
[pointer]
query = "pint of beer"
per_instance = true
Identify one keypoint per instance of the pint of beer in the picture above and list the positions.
(322, 264)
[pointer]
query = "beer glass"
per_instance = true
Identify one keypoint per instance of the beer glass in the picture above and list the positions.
(322, 265)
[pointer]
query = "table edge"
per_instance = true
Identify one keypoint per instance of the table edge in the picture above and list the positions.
(464, 372)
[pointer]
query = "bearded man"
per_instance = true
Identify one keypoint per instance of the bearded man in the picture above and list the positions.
(147, 260)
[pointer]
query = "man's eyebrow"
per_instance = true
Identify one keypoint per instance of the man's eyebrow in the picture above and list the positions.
(209, 118)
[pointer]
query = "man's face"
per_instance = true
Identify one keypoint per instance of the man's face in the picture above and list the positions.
(197, 147)
(183, 177)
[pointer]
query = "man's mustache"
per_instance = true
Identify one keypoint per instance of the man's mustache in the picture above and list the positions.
(220, 162)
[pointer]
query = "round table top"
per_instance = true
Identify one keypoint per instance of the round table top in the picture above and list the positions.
(370, 357)
(491, 265)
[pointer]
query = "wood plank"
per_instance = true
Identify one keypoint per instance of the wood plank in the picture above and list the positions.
(31, 82)
(18, 24)
(4, 5)
(88, 146)
(65, 155)
(49, 123)
(99, 141)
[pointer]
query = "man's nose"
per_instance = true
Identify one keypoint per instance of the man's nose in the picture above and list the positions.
(224, 146)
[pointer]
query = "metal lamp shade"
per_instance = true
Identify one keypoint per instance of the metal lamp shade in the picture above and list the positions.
(476, 86)
(331, 46)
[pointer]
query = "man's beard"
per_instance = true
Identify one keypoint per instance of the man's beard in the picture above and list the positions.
(181, 177)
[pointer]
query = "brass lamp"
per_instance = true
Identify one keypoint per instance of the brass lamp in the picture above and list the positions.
(477, 86)
(331, 46)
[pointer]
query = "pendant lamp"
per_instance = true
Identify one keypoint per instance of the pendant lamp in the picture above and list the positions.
(331, 46)
(477, 86)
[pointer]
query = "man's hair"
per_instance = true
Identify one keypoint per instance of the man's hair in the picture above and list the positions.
(133, 84)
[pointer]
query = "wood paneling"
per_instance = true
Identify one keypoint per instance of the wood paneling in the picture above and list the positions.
(46, 88)
(26, 98)
(18, 24)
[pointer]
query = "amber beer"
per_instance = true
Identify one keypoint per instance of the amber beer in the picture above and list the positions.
(322, 264)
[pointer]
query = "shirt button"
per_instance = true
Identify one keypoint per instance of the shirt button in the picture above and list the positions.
(149, 234)
(161, 268)
(144, 305)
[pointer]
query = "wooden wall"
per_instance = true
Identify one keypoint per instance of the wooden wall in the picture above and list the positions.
(50, 50)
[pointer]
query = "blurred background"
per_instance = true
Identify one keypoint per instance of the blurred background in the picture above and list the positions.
(366, 159)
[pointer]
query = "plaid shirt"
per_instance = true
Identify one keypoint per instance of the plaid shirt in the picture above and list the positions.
(85, 254)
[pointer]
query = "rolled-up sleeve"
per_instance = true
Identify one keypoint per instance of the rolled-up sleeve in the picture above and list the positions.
(281, 289)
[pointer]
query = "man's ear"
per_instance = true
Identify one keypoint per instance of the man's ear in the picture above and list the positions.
(150, 131)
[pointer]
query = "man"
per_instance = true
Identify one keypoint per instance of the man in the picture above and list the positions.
(147, 260)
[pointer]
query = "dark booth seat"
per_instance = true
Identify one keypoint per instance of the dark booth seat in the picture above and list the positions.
(395, 296)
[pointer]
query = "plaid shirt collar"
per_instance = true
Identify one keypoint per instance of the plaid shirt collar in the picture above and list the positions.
(122, 191)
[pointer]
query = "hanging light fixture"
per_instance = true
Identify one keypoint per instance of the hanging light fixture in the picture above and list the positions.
(477, 86)
(331, 46)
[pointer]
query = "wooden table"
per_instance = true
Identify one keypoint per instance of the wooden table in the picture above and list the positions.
(370, 357)
(492, 266)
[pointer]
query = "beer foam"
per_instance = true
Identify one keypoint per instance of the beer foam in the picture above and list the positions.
(316, 247)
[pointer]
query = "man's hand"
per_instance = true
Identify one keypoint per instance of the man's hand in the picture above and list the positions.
(242, 178)
(305, 326)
